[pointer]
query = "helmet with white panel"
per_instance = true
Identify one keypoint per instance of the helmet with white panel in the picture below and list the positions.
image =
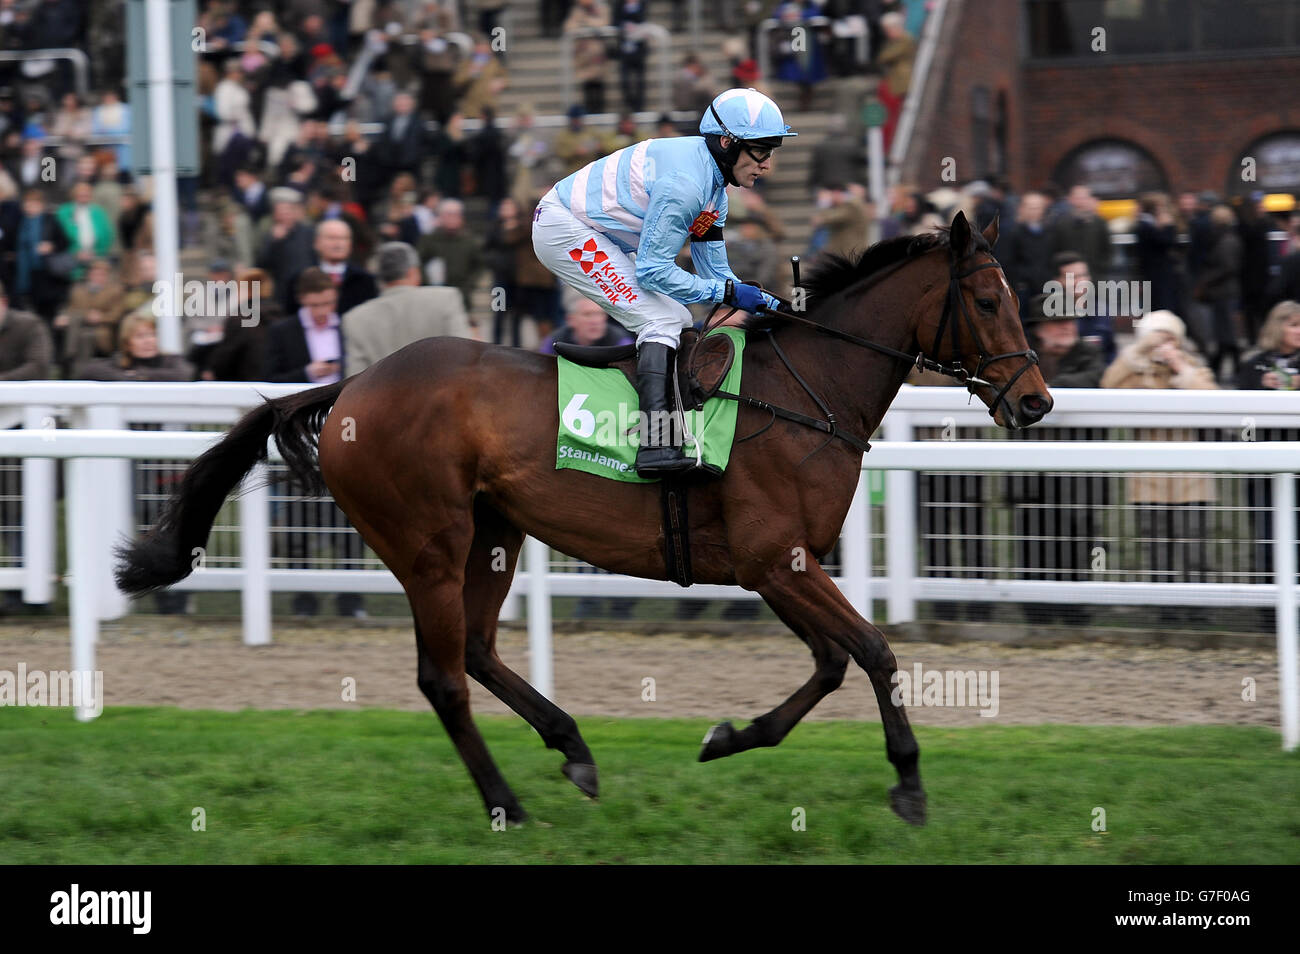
(748, 119)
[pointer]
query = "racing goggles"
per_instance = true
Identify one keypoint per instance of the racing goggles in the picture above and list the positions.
(760, 150)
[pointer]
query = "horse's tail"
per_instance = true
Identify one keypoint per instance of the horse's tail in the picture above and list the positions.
(165, 554)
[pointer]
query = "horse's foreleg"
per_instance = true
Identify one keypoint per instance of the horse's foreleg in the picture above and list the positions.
(769, 729)
(810, 603)
(488, 572)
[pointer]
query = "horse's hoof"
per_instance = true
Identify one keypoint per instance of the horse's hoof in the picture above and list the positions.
(529, 822)
(908, 804)
(719, 741)
(582, 775)
(502, 817)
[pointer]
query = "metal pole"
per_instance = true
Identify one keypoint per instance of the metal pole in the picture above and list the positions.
(1284, 569)
(929, 43)
(566, 68)
(162, 162)
(540, 663)
(82, 557)
(876, 170)
(764, 50)
(665, 71)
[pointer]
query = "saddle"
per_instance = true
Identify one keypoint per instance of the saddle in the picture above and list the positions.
(702, 365)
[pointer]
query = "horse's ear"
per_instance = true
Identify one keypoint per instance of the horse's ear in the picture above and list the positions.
(960, 237)
(991, 230)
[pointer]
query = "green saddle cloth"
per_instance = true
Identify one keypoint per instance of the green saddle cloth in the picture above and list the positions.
(598, 408)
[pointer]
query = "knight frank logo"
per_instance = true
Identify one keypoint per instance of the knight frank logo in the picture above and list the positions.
(588, 257)
(596, 263)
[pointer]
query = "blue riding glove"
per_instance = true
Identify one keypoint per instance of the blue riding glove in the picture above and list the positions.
(748, 298)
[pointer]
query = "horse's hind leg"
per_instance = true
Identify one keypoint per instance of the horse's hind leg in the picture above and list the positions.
(769, 729)
(435, 597)
(488, 572)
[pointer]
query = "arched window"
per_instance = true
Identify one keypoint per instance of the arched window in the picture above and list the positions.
(1270, 164)
(1112, 169)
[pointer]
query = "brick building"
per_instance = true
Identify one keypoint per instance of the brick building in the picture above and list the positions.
(1126, 95)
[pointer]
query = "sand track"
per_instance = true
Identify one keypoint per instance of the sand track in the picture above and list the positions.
(195, 664)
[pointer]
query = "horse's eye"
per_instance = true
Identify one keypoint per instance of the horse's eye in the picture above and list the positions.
(987, 304)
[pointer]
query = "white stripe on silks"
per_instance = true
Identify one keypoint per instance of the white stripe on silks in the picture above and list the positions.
(595, 227)
(578, 196)
(636, 176)
(578, 200)
(609, 203)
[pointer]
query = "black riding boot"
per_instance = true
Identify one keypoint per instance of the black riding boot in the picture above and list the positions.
(657, 455)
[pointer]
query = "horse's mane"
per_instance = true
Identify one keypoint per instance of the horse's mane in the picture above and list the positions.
(837, 273)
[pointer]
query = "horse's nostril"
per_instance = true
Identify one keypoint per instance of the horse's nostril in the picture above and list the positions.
(1033, 406)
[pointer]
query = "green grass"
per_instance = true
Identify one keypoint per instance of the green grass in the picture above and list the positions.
(373, 786)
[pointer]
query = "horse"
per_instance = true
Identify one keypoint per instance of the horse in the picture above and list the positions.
(442, 456)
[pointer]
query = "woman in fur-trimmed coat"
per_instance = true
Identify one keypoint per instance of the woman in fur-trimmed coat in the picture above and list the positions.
(1173, 510)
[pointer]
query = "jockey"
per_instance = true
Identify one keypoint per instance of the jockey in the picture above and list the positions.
(612, 231)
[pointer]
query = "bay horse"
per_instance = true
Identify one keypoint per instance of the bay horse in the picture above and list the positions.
(443, 457)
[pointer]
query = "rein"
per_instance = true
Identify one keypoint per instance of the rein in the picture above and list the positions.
(953, 369)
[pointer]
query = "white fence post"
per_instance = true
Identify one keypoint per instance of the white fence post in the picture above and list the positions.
(82, 494)
(115, 506)
(255, 556)
(857, 549)
(509, 607)
(539, 618)
(39, 521)
(1284, 569)
(900, 528)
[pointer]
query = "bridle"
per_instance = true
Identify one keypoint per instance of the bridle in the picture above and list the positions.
(954, 368)
(975, 380)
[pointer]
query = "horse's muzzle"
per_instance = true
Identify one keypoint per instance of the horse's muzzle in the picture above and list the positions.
(1031, 409)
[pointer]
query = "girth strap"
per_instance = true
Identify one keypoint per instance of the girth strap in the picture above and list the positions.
(677, 540)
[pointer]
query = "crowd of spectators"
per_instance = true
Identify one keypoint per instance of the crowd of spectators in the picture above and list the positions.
(288, 179)
(1218, 264)
(1212, 315)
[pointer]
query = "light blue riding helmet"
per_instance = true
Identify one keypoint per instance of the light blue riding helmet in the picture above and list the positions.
(745, 115)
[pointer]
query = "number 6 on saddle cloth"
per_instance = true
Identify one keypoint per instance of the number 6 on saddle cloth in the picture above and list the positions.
(600, 421)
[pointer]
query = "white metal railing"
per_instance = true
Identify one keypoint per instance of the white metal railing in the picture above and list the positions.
(98, 452)
(88, 547)
(80, 63)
